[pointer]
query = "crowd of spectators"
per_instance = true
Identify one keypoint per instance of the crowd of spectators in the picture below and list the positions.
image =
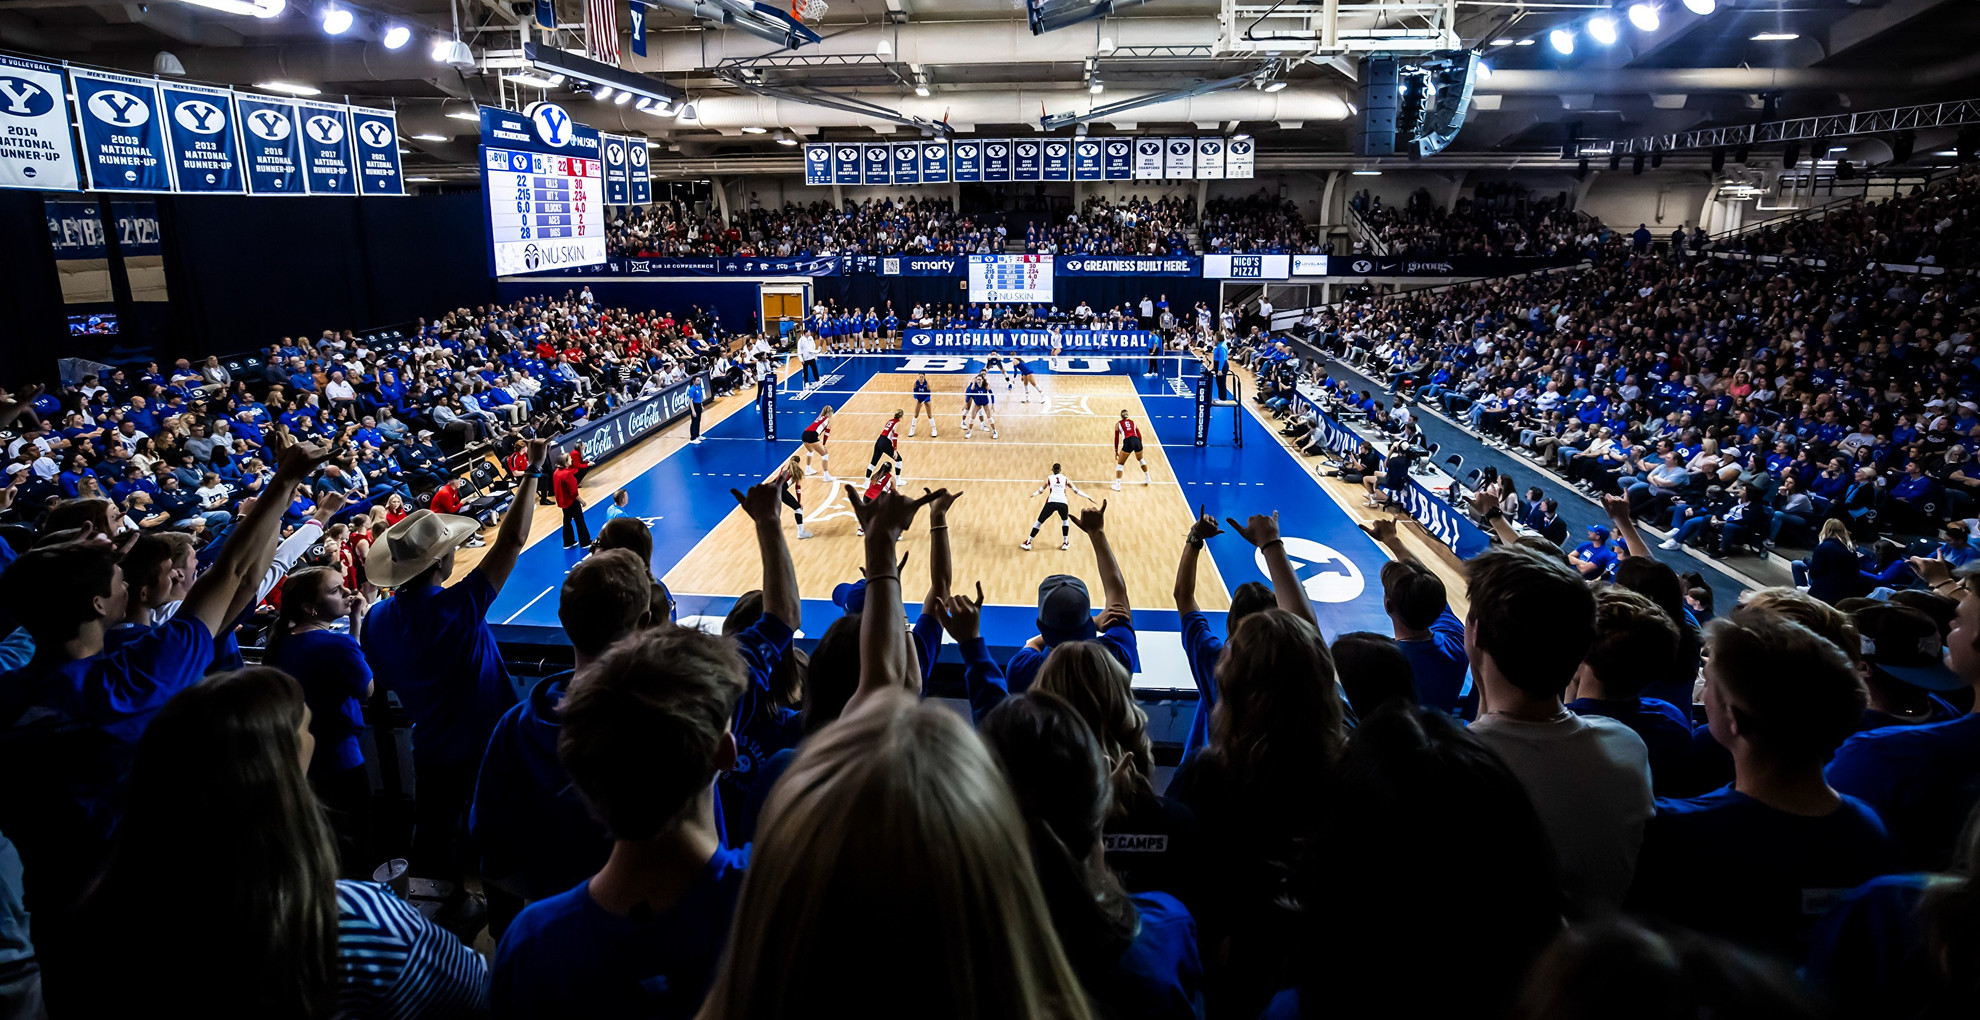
(916, 225)
(1135, 226)
(1937, 225)
(1498, 219)
(1252, 225)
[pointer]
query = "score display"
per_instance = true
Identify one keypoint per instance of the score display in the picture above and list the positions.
(544, 212)
(1010, 278)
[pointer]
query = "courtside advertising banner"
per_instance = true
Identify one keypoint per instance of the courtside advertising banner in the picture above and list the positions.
(326, 142)
(206, 155)
(123, 135)
(270, 147)
(818, 165)
(35, 147)
(618, 187)
(934, 162)
(639, 172)
(379, 170)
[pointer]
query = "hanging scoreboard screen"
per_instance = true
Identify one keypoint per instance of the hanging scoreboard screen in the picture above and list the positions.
(995, 279)
(543, 181)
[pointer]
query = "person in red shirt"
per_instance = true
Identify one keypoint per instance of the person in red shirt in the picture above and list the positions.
(564, 481)
(887, 446)
(1127, 439)
(447, 498)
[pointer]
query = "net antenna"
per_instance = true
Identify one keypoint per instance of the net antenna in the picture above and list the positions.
(809, 10)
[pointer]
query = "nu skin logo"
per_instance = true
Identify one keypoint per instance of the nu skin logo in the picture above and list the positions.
(374, 133)
(23, 98)
(327, 130)
(269, 125)
(553, 125)
(199, 116)
(119, 109)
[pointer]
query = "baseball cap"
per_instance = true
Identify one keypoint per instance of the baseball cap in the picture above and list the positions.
(425, 433)
(1599, 529)
(850, 597)
(1065, 609)
(1905, 643)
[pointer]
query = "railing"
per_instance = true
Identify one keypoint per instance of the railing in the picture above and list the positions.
(1362, 233)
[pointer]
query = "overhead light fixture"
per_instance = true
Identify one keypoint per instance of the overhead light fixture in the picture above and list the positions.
(754, 130)
(643, 104)
(465, 115)
(1484, 71)
(784, 139)
(1776, 36)
(1277, 85)
(1367, 173)
(603, 94)
(603, 82)
(248, 8)
(1096, 87)
(422, 180)
(453, 52)
(397, 36)
(1502, 42)
(1524, 42)
(292, 88)
(622, 99)
(1106, 45)
(431, 138)
(337, 20)
(884, 48)
(1562, 39)
(531, 81)
(1602, 29)
(167, 62)
(921, 89)
(1701, 7)
(1645, 17)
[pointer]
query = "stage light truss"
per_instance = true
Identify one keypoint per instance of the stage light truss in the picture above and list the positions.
(1325, 27)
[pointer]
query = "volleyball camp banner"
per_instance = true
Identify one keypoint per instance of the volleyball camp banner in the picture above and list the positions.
(1071, 341)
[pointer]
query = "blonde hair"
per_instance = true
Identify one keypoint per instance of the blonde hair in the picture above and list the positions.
(1824, 619)
(1088, 677)
(1837, 529)
(894, 838)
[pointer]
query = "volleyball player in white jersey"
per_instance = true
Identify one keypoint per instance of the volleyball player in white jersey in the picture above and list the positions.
(1026, 382)
(1127, 440)
(1055, 487)
(789, 481)
(816, 435)
(977, 399)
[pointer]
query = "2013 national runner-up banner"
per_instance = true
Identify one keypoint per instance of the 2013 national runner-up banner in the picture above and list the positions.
(199, 124)
(35, 147)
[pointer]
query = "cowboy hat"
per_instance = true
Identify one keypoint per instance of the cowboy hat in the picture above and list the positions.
(414, 544)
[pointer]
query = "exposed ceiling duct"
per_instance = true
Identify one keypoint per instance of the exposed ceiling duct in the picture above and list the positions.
(758, 19)
(964, 110)
(344, 63)
(935, 42)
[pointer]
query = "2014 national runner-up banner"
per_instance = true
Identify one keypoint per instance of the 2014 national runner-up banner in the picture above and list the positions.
(35, 148)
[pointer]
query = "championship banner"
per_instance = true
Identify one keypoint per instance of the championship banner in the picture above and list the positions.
(907, 163)
(1111, 341)
(378, 166)
(618, 187)
(1239, 155)
(1086, 160)
(326, 143)
(879, 161)
(817, 165)
(1118, 160)
(1179, 162)
(206, 153)
(637, 10)
(640, 173)
(270, 147)
(845, 164)
(1147, 159)
(968, 161)
(997, 159)
(1128, 265)
(1058, 159)
(1247, 267)
(35, 147)
(123, 136)
(1027, 157)
(934, 162)
(1209, 159)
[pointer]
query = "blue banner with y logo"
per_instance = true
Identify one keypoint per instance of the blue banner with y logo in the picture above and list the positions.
(206, 153)
(123, 134)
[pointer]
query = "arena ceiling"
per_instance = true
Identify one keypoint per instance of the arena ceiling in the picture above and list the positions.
(984, 71)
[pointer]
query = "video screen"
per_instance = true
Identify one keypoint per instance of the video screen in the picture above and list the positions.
(96, 324)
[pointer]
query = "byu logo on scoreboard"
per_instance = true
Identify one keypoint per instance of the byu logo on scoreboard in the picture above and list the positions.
(327, 130)
(118, 108)
(269, 126)
(199, 116)
(375, 134)
(553, 125)
(23, 98)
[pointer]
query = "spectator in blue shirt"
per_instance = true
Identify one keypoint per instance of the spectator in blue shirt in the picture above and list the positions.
(1201, 645)
(1751, 861)
(335, 679)
(1429, 635)
(1594, 558)
(763, 727)
(1957, 550)
(1065, 610)
(1635, 644)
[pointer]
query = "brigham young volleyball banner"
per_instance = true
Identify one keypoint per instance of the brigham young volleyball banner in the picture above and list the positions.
(1074, 341)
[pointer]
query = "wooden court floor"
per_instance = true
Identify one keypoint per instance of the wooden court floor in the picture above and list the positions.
(1071, 423)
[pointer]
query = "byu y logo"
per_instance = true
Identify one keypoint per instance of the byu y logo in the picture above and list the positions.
(375, 133)
(553, 125)
(120, 109)
(325, 129)
(23, 98)
(268, 125)
(200, 116)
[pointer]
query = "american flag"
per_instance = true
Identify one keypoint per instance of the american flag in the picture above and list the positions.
(601, 30)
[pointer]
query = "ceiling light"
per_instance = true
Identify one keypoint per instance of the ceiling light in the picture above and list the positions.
(556, 80)
(1276, 86)
(1603, 29)
(921, 90)
(1353, 109)
(167, 62)
(786, 140)
(1502, 42)
(465, 115)
(289, 87)
(453, 52)
(1776, 36)
(1645, 17)
(337, 21)
(622, 99)
(1484, 70)
(1562, 39)
(530, 81)
(604, 93)
(1106, 45)
(643, 104)
(1368, 173)
(431, 138)
(1524, 42)
(250, 8)
(754, 130)
(884, 48)
(442, 47)
(1701, 7)
(422, 180)
(397, 36)
(1096, 88)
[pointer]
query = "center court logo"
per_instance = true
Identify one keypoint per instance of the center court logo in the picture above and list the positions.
(1326, 575)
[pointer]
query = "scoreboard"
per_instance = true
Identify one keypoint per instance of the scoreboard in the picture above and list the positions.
(1010, 278)
(544, 212)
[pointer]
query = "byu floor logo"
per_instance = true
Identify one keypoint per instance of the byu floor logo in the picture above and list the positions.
(23, 98)
(1326, 575)
(200, 116)
(119, 109)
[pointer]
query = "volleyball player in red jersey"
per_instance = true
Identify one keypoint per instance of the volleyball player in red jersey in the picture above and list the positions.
(1127, 439)
(878, 481)
(789, 480)
(887, 445)
(816, 435)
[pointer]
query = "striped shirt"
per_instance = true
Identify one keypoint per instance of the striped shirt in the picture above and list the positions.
(394, 963)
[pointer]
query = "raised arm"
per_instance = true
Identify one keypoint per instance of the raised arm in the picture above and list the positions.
(1113, 584)
(983, 680)
(1618, 508)
(764, 505)
(500, 560)
(1204, 529)
(249, 549)
(1487, 505)
(941, 573)
(883, 652)
(1263, 532)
